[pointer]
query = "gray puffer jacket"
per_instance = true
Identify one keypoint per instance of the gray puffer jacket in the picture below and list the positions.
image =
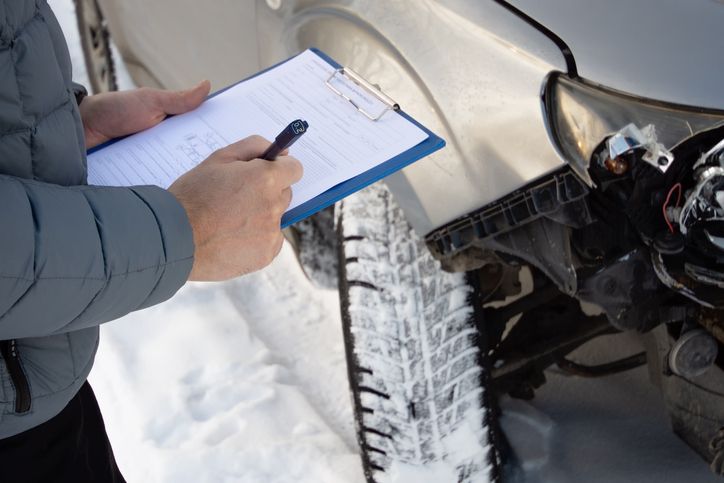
(71, 256)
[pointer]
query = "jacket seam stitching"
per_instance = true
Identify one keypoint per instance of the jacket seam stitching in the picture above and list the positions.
(163, 244)
(20, 130)
(14, 62)
(36, 182)
(35, 251)
(130, 272)
(14, 59)
(41, 119)
(33, 151)
(105, 271)
(43, 116)
(22, 28)
(100, 235)
(86, 308)
(158, 224)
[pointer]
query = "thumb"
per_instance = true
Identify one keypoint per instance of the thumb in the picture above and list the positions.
(178, 102)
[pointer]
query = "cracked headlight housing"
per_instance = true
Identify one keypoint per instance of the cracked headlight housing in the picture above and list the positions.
(581, 116)
(607, 138)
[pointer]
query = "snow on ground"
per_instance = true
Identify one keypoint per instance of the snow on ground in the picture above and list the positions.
(237, 382)
(243, 381)
(600, 430)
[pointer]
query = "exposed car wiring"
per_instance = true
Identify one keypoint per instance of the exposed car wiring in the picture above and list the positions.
(601, 370)
(677, 186)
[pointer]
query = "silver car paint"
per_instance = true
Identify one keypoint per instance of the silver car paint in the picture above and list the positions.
(176, 43)
(471, 71)
(669, 50)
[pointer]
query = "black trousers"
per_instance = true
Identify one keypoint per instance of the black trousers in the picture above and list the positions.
(72, 447)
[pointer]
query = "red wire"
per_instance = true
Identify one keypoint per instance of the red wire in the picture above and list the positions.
(666, 204)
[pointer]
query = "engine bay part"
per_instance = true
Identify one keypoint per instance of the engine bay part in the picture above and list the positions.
(550, 198)
(712, 321)
(693, 353)
(627, 290)
(694, 403)
(602, 370)
(677, 213)
(706, 201)
(526, 224)
(631, 138)
(688, 254)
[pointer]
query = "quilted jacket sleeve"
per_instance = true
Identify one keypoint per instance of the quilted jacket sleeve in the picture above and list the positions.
(73, 257)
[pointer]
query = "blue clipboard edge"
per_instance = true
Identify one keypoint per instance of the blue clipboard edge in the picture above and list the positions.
(352, 185)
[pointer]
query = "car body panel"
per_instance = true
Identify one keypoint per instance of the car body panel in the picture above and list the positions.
(668, 50)
(471, 71)
(176, 43)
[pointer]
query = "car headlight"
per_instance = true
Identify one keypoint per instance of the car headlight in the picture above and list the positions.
(581, 116)
(658, 165)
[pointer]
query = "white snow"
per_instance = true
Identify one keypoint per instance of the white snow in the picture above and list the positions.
(600, 430)
(243, 381)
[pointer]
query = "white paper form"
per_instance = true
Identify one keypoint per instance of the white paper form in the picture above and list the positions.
(340, 142)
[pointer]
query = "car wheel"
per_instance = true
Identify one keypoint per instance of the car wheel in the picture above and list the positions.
(416, 363)
(96, 43)
(315, 243)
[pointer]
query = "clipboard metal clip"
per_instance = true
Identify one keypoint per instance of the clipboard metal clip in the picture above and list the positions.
(349, 74)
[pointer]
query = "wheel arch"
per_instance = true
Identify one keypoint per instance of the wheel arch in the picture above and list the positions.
(454, 66)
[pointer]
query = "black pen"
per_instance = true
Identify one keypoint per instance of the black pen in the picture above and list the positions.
(285, 139)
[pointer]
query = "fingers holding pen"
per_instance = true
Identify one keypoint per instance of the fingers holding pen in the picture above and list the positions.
(247, 149)
(275, 175)
(278, 178)
(288, 168)
(286, 197)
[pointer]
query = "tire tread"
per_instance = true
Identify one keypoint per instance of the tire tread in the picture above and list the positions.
(412, 327)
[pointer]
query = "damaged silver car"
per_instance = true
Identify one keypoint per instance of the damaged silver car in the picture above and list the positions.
(581, 194)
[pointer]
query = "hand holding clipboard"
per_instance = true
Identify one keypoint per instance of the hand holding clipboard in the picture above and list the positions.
(360, 135)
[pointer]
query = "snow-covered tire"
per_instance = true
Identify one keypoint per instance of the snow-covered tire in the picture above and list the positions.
(416, 368)
(315, 243)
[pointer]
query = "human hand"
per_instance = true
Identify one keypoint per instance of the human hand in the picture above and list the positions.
(235, 202)
(114, 114)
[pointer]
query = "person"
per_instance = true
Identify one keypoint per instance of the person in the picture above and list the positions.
(74, 256)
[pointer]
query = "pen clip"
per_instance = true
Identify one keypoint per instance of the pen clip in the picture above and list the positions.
(390, 105)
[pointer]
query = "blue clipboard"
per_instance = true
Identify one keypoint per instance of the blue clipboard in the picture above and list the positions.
(352, 185)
